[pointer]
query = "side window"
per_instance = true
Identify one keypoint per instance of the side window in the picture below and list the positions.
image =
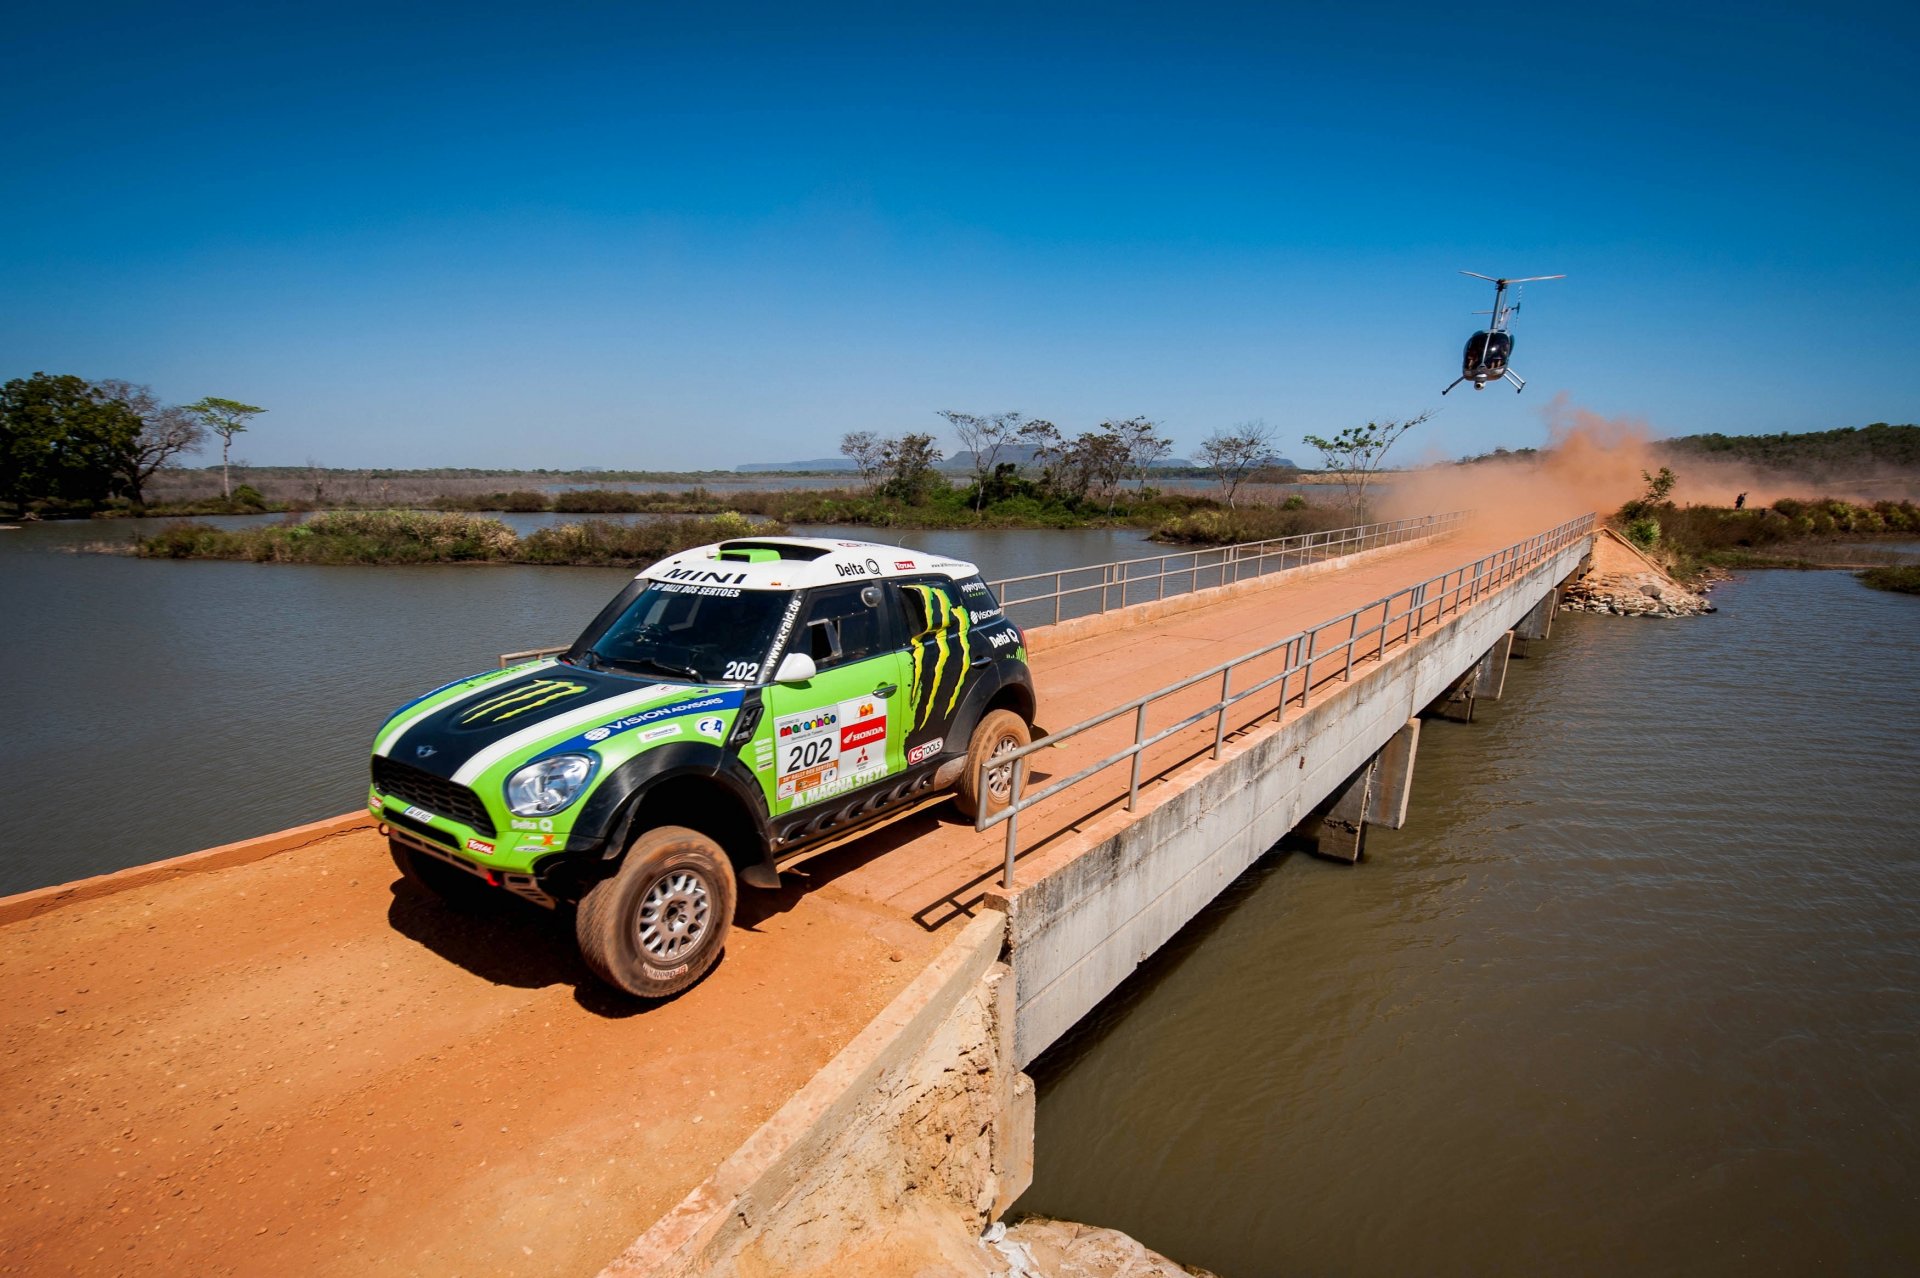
(981, 605)
(842, 624)
(928, 605)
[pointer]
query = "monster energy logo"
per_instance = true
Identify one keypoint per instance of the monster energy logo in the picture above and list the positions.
(517, 701)
(940, 613)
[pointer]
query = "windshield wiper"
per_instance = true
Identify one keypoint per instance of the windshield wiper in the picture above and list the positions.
(686, 672)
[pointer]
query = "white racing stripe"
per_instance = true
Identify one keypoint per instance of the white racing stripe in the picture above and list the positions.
(392, 736)
(559, 725)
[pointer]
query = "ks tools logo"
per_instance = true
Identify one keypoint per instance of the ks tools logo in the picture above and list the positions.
(515, 702)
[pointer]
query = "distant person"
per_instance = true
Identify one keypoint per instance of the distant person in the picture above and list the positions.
(1740, 502)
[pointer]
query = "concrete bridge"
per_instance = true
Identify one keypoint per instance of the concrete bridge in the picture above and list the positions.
(351, 1080)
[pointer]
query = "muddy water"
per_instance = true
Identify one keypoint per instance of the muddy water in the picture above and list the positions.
(1636, 991)
(158, 707)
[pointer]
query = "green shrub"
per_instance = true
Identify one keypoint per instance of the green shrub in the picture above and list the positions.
(1904, 579)
(1643, 532)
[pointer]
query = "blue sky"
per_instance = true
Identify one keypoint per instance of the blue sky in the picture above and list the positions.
(641, 236)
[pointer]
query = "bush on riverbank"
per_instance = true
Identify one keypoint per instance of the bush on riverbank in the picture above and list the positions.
(436, 537)
(341, 537)
(1904, 579)
(610, 542)
(1252, 523)
(1792, 533)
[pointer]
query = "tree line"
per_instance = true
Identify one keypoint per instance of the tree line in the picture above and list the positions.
(72, 444)
(1095, 463)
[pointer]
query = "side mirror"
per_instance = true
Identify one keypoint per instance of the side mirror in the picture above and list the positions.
(795, 667)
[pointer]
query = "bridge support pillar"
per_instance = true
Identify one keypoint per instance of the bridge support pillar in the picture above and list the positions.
(1375, 795)
(1538, 623)
(1486, 677)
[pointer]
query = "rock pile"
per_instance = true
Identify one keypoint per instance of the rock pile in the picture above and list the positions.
(1639, 594)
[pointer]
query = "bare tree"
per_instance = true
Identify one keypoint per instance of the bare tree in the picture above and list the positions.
(1356, 452)
(166, 431)
(863, 448)
(1235, 454)
(1143, 443)
(984, 435)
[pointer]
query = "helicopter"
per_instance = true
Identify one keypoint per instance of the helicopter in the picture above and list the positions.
(1487, 352)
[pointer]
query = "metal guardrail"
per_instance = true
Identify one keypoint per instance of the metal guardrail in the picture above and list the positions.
(1371, 631)
(1134, 581)
(1214, 566)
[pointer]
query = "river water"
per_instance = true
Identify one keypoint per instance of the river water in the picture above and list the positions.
(1637, 989)
(155, 707)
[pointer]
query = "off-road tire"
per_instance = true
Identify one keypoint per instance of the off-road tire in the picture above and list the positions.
(660, 923)
(999, 732)
(436, 878)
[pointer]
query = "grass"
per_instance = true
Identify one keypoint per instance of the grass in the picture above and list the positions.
(1792, 533)
(1904, 579)
(441, 537)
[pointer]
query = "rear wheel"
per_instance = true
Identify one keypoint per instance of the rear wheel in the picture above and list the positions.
(660, 923)
(1000, 732)
(432, 875)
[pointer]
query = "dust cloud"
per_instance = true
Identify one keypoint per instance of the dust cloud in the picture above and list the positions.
(1595, 463)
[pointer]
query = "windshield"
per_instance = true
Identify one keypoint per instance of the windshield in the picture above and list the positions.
(703, 634)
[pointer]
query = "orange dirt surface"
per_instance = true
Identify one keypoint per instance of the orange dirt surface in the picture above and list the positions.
(298, 1065)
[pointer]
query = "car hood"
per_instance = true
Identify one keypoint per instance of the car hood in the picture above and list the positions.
(461, 731)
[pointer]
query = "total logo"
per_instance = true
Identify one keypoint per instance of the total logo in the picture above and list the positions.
(481, 846)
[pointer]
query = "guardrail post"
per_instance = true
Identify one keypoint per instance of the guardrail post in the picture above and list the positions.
(1220, 725)
(1139, 735)
(1013, 816)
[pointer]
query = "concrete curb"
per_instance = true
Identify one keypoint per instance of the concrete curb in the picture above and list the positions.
(734, 1204)
(28, 905)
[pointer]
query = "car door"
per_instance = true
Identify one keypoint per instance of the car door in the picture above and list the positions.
(940, 660)
(845, 728)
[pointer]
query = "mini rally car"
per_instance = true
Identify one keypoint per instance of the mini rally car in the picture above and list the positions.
(735, 706)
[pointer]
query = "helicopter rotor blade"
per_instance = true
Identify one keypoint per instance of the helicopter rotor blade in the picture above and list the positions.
(1478, 276)
(1532, 278)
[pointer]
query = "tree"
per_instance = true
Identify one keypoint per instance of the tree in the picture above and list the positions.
(1355, 453)
(63, 440)
(908, 465)
(984, 436)
(225, 418)
(166, 431)
(1235, 454)
(1143, 443)
(863, 447)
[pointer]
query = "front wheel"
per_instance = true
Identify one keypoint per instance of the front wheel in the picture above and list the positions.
(659, 924)
(1000, 732)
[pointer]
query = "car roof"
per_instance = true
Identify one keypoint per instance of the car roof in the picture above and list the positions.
(796, 563)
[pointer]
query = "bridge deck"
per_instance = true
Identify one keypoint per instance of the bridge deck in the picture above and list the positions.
(288, 1067)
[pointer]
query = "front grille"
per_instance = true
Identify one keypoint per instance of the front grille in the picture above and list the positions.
(423, 789)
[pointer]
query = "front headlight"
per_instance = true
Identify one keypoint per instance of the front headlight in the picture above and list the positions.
(544, 787)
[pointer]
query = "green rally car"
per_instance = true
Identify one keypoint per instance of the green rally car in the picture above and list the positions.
(734, 706)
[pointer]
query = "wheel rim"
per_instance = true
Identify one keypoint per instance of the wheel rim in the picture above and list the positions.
(674, 916)
(1000, 779)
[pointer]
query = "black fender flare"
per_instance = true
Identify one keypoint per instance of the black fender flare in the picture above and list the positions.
(604, 825)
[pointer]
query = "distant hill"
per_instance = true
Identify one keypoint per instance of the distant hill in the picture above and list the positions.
(818, 463)
(1847, 451)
